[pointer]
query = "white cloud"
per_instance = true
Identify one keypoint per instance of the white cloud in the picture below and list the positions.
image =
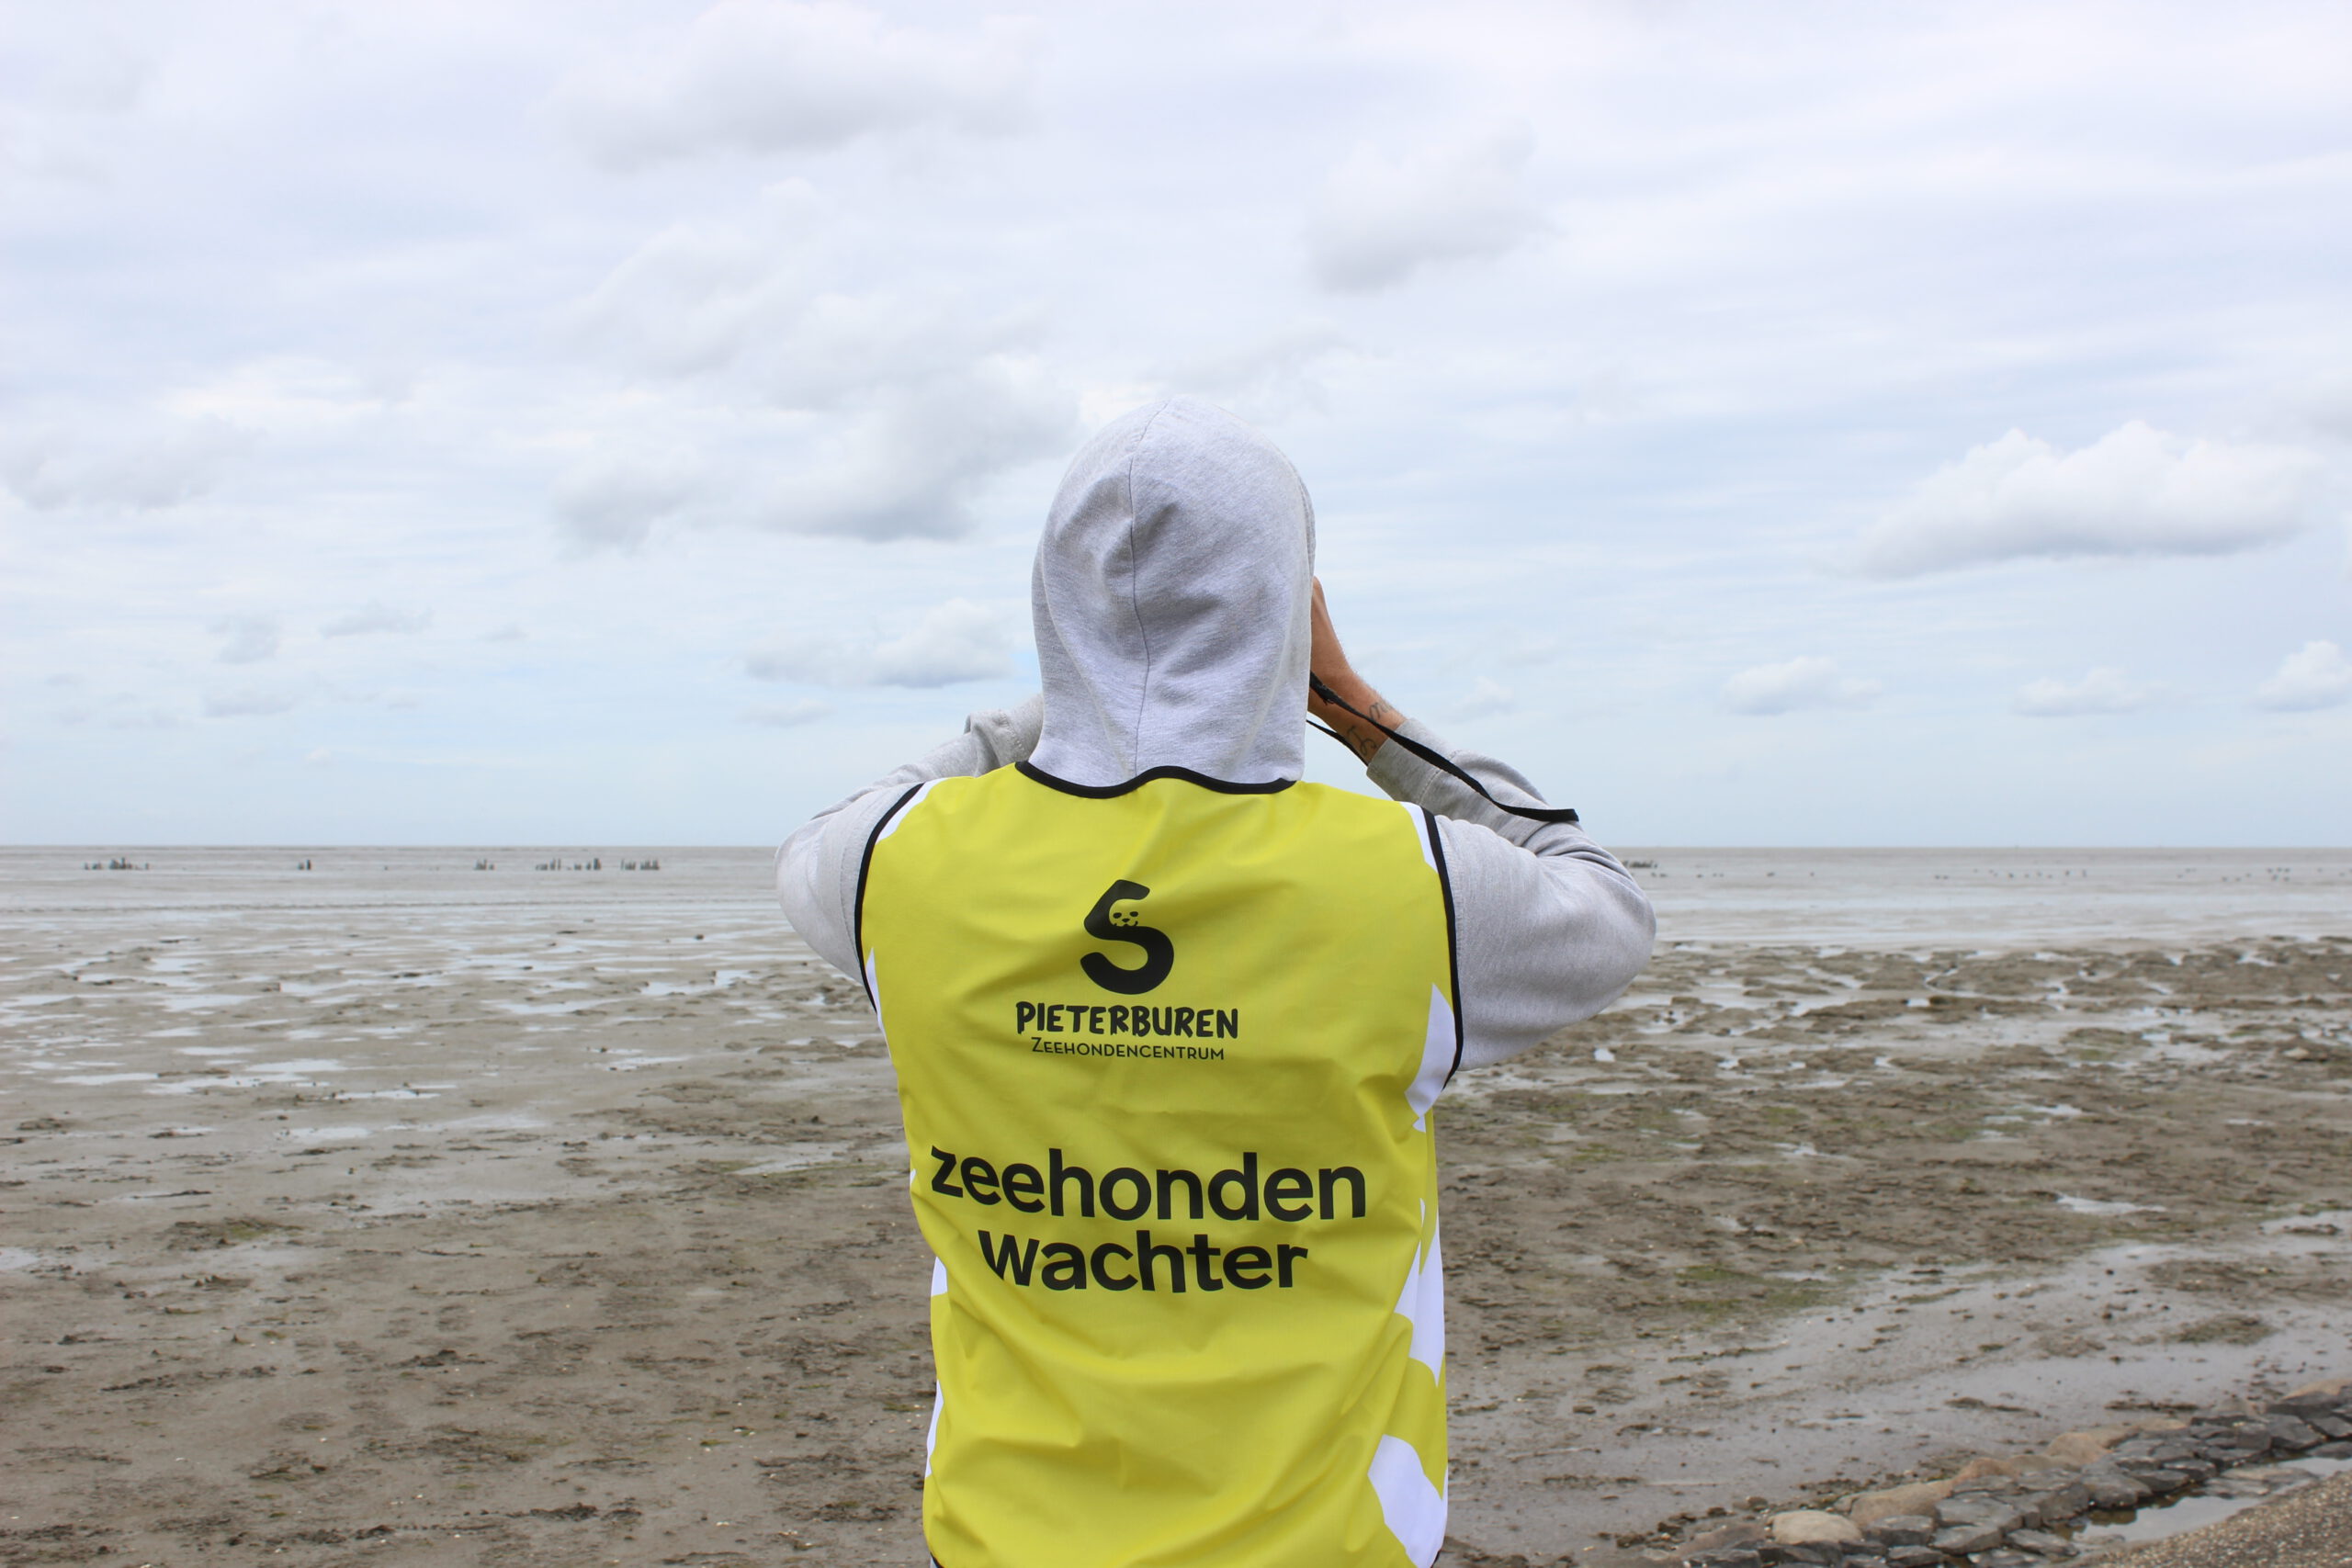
(54, 117)
(1268, 379)
(1807, 682)
(874, 414)
(120, 711)
(251, 638)
(785, 716)
(757, 299)
(377, 617)
(618, 501)
(956, 641)
(1378, 221)
(2135, 492)
(245, 705)
(776, 75)
(142, 465)
(289, 394)
(85, 67)
(911, 463)
(695, 297)
(2103, 690)
(2316, 676)
(908, 461)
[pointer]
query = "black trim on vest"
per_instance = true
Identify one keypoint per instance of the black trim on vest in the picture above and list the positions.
(1105, 792)
(1452, 957)
(857, 913)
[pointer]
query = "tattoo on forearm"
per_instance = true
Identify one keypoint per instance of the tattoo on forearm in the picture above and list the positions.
(1364, 739)
(1363, 730)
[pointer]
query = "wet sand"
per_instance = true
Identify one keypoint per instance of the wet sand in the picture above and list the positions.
(394, 1212)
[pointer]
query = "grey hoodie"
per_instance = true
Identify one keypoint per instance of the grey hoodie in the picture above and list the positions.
(1171, 594)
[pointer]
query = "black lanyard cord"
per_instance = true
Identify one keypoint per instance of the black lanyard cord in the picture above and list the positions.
(1435, 760)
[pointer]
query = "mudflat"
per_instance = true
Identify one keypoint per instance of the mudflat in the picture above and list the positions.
(400, 1211)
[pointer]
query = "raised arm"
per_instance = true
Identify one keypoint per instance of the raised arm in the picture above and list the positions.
(1548, 927)
(816, 871)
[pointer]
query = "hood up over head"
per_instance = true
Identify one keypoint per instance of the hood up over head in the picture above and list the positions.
(1173, 594)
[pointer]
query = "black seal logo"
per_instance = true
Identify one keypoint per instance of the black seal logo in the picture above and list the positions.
(1159, 953)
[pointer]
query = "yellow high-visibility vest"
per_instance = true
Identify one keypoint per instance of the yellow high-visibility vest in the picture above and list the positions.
(1166, 1055)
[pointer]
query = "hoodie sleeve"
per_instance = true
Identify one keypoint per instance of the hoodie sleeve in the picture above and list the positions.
(1548, 927)
(816, 871)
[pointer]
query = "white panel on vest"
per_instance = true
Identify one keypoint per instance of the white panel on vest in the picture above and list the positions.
(1422, 829)
(1415, 1509)
(1437, 1060)
(1422, 1304)
(874, 991)
(906, 811)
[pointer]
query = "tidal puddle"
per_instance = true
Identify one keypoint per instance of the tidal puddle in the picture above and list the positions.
(2194, 1511)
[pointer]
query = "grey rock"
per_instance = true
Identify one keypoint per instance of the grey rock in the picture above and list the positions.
(1961, 1539)
(2157, 1450)
(2161, 1481)
(2220, 1459)
(1915, 1557)
(1739, 1533)
(2112, 1486)
(2237, 1486)
(2006, 1559)
(2286, 1432)
(1989, 1486)
(1988, 1512)
(2229, 1409)
(2057, 1506)
(1724, 1557)
(2042, 1543)
(2332, 1450)
(2196, 1469)
(2244, 1437)
(1903, 1529)
(2329, 1426)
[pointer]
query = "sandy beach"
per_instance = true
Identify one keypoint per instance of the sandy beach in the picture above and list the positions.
(400, 1211)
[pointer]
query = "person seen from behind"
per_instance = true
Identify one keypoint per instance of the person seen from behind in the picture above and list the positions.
(1169, 1024)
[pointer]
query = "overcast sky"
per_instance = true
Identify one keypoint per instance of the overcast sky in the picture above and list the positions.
(628, 423)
